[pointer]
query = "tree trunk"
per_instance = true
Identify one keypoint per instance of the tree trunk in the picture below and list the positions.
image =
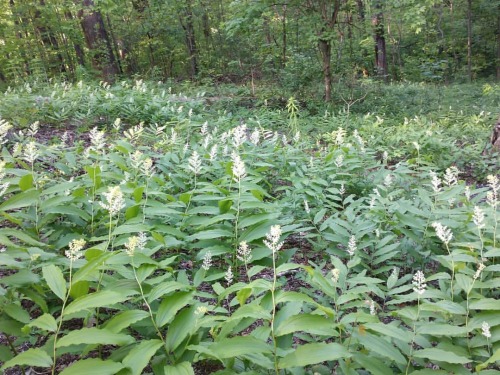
(469, 39)
(325, 48)
(283, 24)
(380, 51)
(329, 15)
(97, 40)
(187, 24)
(47, 37)
(498, 45)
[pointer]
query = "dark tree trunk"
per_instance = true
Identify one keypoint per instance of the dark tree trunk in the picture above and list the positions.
(47, 37)
(498, 45)
(187, 23)
(469, 39)
(329, 15)
(97, 40)
(380, 51)
(284, 47)
(325, 48)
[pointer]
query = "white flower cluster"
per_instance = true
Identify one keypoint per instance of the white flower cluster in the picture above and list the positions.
(114, 200)
(443, 232)
(273, 239)
(244, 252)
(419, 283)
(75, 249)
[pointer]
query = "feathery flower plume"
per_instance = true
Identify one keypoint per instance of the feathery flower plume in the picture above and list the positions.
(273, 239)
(485, 328)
(467, 193)
(244, 252)
(388, 180)
(75, 249)
(239, 170)
(478, 217)
(306, 207)
(33, 129)
(136, 159)
(419, 283)
(436, 182)
(207, 261)
(339, 160)
(117, 123)
(213, 152)
(451, 176)
(335, 275)
(255, 137)
(195, 163)
(147, 167)
(4, 130)
(480, 269)
(30, 152)
(492, 196)
(131, 245)
(351, 246)
(114, 200)
(443, 232)
(239, 135)
(385, 157)
(97, 139)
(229, 276)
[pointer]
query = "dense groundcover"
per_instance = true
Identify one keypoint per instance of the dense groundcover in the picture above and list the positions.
(144, 231)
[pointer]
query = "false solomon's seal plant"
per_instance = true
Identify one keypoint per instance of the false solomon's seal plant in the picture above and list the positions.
(190, 245)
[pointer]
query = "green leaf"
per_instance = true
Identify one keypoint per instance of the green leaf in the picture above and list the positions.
(225, 205)
(435, 354)
(376, 366)
(180, 328)
(238, 346)
(319, 216)
(55, 280)
(124, 319)
(381, 346)
(494, 358)
(314, 324)
(210, 234)
(79, 289)
(93, 366)
(138, 358)
(183, 368)
(94, 336)
(243, 294)
(31, 357)
(97, 299)
(442, 330)
(26, 182)
(16, 312)
(22, 277)
(24, 199)
(137, 194)
(171, 305)
(166, 288)
(310, 354)
(45, 322)
(485, 304)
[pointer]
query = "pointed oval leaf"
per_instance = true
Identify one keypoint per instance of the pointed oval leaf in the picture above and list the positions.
(23, 199)
(94, 336)
(310, 354)
(435, 354)
(138, 358)
(180, 328)
(55, 280)
(46, 322)
(237, 346)
(124, 320)
(171, 305)
(314, 324)
(93, 366)
(183, 368)
(98, 299)
(31, 357)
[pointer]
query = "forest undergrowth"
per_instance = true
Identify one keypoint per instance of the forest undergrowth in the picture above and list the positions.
(153, 229)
